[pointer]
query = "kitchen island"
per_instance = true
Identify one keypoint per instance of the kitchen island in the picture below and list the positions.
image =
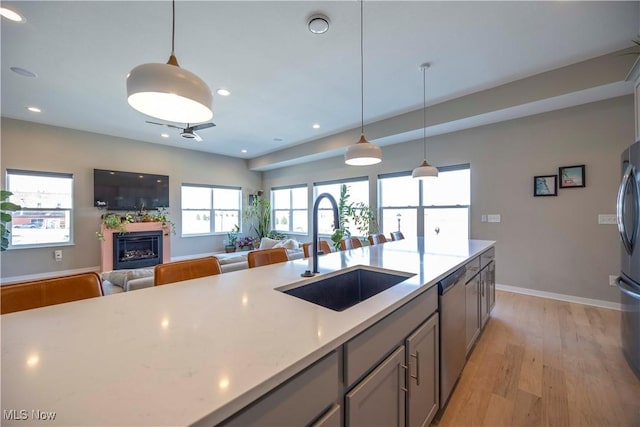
(199, 351)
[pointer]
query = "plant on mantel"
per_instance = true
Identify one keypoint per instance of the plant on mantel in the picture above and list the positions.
(118, 222)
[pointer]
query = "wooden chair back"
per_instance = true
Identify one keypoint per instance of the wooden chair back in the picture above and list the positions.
(323, 246)
(396, 235)
(41, 293)
(178, 271)
(267, 256)
(350, 243)
(376, 239)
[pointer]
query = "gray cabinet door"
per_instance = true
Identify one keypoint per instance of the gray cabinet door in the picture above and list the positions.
(491, 280)
(484, 297)
(423, 382)
(472, 301)
(379, 399)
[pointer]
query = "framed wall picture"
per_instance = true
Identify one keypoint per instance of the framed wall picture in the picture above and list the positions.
(571, 176)
(545, 185)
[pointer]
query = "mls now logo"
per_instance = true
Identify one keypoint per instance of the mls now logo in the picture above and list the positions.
(15, 414)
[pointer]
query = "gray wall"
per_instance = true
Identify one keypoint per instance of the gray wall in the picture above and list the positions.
(31, 146)
(551, 244)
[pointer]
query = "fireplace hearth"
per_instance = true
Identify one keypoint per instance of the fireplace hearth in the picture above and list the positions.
(137, 249)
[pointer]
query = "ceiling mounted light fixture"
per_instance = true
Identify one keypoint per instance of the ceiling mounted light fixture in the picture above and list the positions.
(318, 24)
(363, 152)
(168, 92)
(11, 15)
(425, 170)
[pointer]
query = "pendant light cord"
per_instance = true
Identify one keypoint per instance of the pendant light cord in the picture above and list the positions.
(173, 27)
(424, 110)
(361, 69)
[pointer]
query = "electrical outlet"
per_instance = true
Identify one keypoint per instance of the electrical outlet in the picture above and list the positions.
(493, 218)
(607, 219)
(57, 255)
(613, 280)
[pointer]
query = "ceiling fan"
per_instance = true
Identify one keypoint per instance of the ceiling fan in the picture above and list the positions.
(188, 132)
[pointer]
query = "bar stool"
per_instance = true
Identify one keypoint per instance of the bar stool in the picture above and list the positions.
(177, 271)
(396, 235)
(376, 239)
(267, 256)
(57, 290)
(323, 246)
(350, 243)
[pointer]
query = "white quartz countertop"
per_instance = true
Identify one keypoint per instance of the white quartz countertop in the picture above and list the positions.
(194, 352)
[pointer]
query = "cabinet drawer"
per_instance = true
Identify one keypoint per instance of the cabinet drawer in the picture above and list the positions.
(296, 402)
(363, 352)
(473, 267)
(487, 257)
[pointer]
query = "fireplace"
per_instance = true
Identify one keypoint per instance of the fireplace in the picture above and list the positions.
(137, 249)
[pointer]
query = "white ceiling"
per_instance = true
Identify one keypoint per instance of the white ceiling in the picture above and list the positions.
(282, 77)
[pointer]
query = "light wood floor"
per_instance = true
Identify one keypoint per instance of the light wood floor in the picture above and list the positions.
(541, 362)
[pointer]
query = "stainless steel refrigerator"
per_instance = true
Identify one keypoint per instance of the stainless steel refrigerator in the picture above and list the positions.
(628, 213)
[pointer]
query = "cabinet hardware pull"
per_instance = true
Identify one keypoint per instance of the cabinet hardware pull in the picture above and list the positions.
(405, 389)
(417, 357)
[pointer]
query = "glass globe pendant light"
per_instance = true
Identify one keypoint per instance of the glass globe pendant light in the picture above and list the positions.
(363, 152)
(425, 170)
(168, 92)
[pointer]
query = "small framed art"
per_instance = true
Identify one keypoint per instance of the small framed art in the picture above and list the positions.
(545, 185)
(571, 176)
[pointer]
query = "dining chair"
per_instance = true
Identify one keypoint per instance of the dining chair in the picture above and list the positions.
(57, 290)
(323, 247)
(350, 243)
(396, 235)
(177, 271)
(376, 239)
(262, 257)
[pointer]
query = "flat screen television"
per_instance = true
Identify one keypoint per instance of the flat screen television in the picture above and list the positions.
(116, 190)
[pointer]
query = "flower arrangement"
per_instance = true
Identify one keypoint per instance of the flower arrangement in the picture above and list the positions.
(246, 241)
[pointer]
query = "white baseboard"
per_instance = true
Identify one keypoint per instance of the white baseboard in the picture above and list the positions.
(29, 277)
(560, 297)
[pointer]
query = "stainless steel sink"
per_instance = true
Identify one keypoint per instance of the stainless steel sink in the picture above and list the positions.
(346, 289)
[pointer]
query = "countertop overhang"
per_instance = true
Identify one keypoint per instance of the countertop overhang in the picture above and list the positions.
(198, 351)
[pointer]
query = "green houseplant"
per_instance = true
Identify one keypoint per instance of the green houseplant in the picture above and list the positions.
(232, 239)
(258, 213)
(5, 217)
(359, 214)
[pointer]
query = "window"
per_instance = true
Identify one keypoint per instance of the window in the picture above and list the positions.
(290, 209)
(209, 209)
(436, 208)
(358, 190)
(46, 199)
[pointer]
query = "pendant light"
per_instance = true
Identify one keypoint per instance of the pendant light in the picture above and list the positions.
(425, 170)
(363, 152)
(168, 92)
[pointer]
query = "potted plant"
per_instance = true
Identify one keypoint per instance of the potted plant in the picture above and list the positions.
(246, 243)
(232, 239)
(359, 214)
(5, 217)
(258, 213)
(115, 221)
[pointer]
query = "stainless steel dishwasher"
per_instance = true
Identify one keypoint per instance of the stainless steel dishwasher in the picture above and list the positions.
(451, 299)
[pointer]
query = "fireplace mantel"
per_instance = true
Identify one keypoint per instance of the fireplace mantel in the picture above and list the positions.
(106, 245)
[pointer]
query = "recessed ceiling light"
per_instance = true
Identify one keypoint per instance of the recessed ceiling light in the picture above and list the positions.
(164, 135)
(316, 126)
(34, 109)
(12, 15)
(23, 72)
(243, 151)
(318, 24)
(223, 92)
(277, 139)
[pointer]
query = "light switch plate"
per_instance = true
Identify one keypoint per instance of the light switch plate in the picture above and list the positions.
(493, 218)
(607, 219)
(612, 280)
(57, 255)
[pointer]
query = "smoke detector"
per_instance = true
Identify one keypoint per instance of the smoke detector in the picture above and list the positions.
(318, 24)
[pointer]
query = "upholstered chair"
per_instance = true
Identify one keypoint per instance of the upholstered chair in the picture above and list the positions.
(267, 256)
(376, 239)
(178, 271)
(350, 243)
(397, 235)
(41, 293)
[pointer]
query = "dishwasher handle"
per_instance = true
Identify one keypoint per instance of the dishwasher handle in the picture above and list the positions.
(448, 283)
